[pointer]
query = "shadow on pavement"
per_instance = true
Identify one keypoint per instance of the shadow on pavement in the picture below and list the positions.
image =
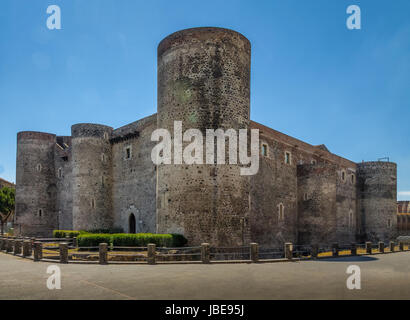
(348, 259)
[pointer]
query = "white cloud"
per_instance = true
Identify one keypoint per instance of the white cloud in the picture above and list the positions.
(404, 193)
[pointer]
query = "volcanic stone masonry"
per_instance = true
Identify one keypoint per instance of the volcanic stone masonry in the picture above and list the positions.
(104, 178)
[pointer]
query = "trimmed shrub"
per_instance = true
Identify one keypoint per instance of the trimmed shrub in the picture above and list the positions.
(178, 240)
(66, 233)
(110, 231)
(131, 240)
(93, 239)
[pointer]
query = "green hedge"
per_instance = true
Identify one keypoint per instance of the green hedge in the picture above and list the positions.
(93, 240)
(131, 240)
(65, 233)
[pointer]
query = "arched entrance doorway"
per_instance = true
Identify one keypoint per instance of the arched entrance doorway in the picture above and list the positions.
(132, 224)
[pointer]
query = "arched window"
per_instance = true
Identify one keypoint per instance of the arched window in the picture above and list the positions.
(264, 149)
(343, 175)
(132, 226)
(39, 167)
(281, 212)
(60, 173)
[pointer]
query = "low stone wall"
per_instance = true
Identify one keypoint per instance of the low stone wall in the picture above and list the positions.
(67, 251)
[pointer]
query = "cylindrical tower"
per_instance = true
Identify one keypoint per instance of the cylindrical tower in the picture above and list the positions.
(204, 82)
(377, 199)
(92, 176)
(35, 184)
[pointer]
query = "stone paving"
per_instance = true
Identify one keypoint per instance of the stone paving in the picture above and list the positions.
(383, 277)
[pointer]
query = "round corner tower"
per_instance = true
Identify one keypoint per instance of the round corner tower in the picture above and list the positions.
(92, 176)
(377, 199)
(204, 82)
(35, 184)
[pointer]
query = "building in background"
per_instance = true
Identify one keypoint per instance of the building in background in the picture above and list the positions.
(403, 218)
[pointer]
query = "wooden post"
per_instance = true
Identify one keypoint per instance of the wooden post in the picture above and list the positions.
(10, 245)
(254, 252)
(205, 253)
(353, 249)
(17, 246)
(368, 247)
(401, 246)
(151, 253)
(288, 250)
(103, 256)
(26, 248)
(64, 252)
(381, 246)
(335, 249)
(315, 250)
(38, 251)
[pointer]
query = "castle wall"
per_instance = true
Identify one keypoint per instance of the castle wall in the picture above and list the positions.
(317, 187)
(36, 188)
(64, 178)
(346, 205)
(92, 177)
(204, 81)
(273, 185)
(134, 179)
(377, 199)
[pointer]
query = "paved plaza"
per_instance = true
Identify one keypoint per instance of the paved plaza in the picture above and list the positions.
(382, 277)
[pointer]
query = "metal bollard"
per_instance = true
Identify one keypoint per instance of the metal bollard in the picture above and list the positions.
(254, 252)
(103, 257)
(63, 252)
(205, 253)
(151, 253)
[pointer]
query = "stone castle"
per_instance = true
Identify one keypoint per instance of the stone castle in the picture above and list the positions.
(104, 178)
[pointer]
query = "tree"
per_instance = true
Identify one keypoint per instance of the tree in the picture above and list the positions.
(7, 201)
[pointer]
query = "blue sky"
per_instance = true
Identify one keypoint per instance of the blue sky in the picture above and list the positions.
(312, 78)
